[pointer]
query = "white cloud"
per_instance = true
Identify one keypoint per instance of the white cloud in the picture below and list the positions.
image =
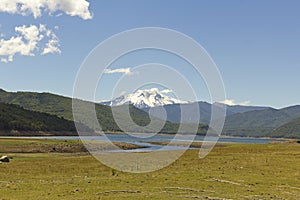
(52, 46)
(26, 42)
(78, 8)
(245, 103)
(231, 102)
(125, 71)
(166, 91)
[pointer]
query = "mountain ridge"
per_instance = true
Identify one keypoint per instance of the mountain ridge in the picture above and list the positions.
(254, 123)
(204, 116)
(173, 106)
(62, 107)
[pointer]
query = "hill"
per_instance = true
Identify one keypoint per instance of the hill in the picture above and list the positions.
(62, 107)
(16, 118)
(288, 130)
(259, 123)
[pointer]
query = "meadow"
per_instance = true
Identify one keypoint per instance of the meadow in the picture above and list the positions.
(230, 171)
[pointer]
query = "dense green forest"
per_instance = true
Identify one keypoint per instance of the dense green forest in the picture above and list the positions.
(14, 117)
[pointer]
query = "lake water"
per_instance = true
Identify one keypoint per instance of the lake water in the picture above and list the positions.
(143, 140)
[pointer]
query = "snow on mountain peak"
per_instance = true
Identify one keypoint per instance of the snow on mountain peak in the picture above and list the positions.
(145, 99)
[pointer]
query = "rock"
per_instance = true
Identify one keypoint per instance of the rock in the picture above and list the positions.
(4, 159)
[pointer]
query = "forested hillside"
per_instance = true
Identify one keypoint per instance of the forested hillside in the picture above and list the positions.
(14, 117)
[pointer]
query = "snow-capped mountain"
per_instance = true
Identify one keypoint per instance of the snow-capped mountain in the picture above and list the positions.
(145, 99)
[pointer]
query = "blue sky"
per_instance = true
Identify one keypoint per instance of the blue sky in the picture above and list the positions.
(255, 44)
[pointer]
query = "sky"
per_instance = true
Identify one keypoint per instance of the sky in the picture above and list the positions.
(255, 44)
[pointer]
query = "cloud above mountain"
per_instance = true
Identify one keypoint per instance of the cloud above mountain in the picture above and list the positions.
(28, 41)
(126, 71)
(166, 91)
(78, 8)
(232, 102)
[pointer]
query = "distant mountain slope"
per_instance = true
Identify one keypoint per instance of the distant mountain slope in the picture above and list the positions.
(156, 100)
(241, 109)
(288, 130)
(144, 99)
(190, 115)
(13, 117)
(191, 112)
(167, 128)
(259, 123)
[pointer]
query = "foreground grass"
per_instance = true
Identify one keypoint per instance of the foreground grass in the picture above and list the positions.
(229, 172)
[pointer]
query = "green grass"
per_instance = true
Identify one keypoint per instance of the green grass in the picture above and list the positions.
(230, 171)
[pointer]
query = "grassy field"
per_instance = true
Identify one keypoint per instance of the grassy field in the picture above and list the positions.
(231, 171)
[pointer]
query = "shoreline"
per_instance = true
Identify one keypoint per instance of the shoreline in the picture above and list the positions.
(221, 136)
(11, 134)
(187, 134)
(37, 145)
(28, 145)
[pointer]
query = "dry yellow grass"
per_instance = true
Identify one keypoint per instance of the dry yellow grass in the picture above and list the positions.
(229, 172)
